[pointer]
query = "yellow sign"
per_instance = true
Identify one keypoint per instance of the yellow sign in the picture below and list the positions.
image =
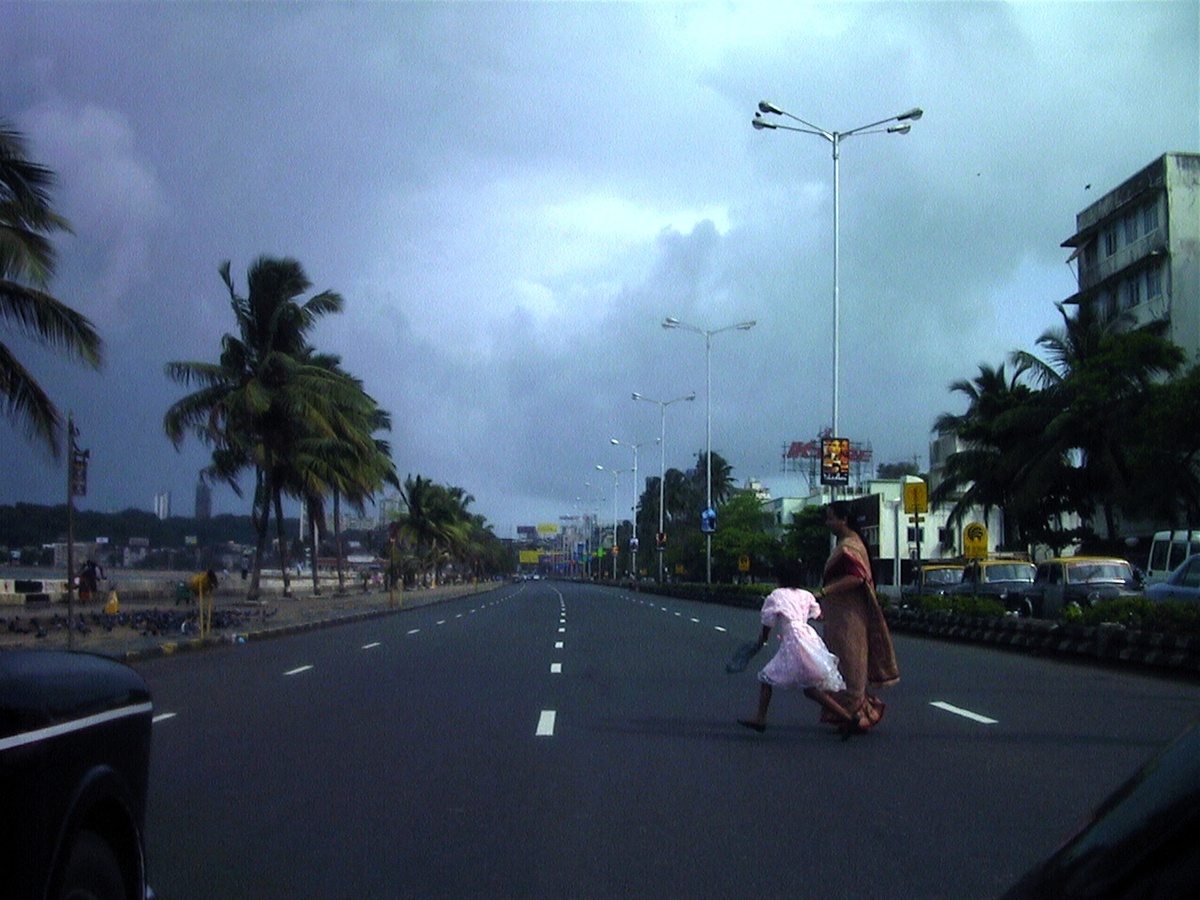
(743, 563)
(547, 528)
(916, 498)
(975, 540)
(529, 557)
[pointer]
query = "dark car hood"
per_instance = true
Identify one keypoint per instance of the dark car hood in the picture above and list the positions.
(41, 688)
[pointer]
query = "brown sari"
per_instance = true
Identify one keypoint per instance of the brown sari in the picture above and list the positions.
(857, 633)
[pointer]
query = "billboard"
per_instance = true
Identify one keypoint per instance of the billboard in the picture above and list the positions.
(835, 461)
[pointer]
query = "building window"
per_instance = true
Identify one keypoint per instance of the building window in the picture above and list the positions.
(1131, 293)
(1153, 283)
(1131, 228)
(1108, 304)
(1150, 217)
(1110, 241)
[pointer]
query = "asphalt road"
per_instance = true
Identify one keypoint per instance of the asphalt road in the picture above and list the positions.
(561, 740)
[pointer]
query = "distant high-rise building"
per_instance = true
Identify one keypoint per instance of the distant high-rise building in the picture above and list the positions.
(162, 504)
(203, 500)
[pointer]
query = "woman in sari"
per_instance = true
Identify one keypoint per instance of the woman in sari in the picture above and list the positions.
(855, 630)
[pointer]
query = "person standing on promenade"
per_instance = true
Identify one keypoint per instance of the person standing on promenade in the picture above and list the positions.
(855, 630)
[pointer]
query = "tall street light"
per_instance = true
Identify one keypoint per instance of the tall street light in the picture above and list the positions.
(672, 322)
(616, 474)
(662, 464)
(633, 547)
(835, 138)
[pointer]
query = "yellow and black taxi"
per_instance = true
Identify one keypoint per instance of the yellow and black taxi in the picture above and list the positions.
(1081, 580)
(932, 579)
(1005, 580)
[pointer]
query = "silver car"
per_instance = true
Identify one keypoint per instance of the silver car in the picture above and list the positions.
(1182, 584)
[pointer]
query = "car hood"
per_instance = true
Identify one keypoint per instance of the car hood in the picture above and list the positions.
(41, 688)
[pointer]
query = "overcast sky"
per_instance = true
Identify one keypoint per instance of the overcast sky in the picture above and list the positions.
(512, 196)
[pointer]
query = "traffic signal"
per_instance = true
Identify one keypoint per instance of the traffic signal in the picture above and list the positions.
(660, 540)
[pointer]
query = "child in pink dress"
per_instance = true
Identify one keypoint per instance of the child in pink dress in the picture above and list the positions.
(802, 659)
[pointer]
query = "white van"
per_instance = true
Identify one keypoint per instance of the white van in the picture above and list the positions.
(1168, 550)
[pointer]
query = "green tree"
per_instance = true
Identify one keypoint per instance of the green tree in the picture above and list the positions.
(1098, 373)
(27, 260)
(743, 531)
(266, 396)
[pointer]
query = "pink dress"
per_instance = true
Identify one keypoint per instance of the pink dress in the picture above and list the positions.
(802, 659)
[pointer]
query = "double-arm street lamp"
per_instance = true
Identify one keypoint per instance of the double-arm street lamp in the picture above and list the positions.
(672, 322)
(662, 465)
(899, 124)
(633, 547)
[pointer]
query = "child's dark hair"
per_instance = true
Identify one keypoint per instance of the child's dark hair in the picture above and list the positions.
(790, 573)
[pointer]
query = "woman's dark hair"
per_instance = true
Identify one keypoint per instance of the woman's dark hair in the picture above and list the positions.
(842, 510)
(790, 573)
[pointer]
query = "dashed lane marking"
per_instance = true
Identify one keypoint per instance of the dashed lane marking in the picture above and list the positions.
(372, 645)
(545, 725)
(162, 717)
(965, 713)
(297, 670)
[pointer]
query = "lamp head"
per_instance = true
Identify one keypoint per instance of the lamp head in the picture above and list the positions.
(900, 129)
(765, 106)
(912, 115)
(670, 322)
(746, 326)
(760, 123)
(637, 396)
(615, 442)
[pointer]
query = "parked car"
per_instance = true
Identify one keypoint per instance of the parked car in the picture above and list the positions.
(931, 579)
(74, 771)
(1182, 584)
(1168, 550)
(1079, 579)
(1140, 842)
(1005, 580)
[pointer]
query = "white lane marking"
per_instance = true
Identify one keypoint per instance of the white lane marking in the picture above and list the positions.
(162, 717)
(297, 670)
(545, 725)
(697, 621)
(558, 645)
(965, 713)
(719, 628)
(443, 622)
(413, 630)
(562, 631)
(555, 668)
(371, 646)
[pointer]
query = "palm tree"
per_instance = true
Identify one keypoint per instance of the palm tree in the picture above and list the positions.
(267, 395)
(26, 265)
(1099, 370)
(996, 431)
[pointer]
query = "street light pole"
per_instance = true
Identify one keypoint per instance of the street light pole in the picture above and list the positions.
(904, 124)
(616, 474)
(672, 322)
(662, 464)
(633, 548)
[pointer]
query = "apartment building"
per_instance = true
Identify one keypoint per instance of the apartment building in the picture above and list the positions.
(1137, 249)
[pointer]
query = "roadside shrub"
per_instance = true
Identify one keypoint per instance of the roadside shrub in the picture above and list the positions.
(968, 605)
(1143, 614)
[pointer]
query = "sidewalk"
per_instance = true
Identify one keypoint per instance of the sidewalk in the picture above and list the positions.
(153, 626)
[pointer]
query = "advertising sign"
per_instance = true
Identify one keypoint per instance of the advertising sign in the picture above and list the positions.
(835, 462)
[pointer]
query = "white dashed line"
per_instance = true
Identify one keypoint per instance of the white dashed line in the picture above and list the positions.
(371, 646)
(555, 668)
(298, 670)
(162, 717)
(558, 645)
(413, 630)
(719, 628)
(545, 725)
(965, 713)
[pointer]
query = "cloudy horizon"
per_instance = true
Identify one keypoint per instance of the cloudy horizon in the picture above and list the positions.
(511, 197)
